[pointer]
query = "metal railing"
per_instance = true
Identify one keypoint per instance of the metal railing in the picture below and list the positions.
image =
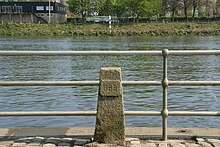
(165, 82)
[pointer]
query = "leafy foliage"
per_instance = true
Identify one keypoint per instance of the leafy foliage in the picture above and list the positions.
(79, 7)
(119, 8)
(145, 8)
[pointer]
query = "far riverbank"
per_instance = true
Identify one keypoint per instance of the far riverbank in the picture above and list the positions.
(137, 29)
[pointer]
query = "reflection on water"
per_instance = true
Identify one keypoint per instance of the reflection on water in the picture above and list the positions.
(142, 98)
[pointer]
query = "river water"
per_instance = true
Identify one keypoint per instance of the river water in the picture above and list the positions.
(134, 68)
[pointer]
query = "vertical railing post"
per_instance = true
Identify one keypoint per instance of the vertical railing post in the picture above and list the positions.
(165, 84)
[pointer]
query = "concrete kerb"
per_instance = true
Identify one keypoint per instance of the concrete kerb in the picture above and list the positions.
(134, 132)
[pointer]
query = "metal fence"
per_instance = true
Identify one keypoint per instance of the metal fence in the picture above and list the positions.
(165, 82)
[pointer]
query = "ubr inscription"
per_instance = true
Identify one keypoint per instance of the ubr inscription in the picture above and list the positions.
(110, 88)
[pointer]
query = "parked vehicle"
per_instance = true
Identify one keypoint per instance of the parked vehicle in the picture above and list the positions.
(100, 19)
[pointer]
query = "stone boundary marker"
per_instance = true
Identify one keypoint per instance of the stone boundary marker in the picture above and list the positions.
(110, 118)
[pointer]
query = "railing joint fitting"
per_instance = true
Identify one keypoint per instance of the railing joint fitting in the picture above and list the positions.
(165, 52)
(165, 83)
(164, 113)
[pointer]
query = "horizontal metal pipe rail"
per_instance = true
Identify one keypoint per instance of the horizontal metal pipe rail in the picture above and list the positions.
(93, 113)
(78, 53)
(74, 83)
(165, 83)
(96, 83)
(107, 53)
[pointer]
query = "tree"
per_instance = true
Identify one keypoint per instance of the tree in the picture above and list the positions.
(164, 7)
(173, 5)
(218, 7)
(213, 7)
(207, 6)
(80, 7)
(195, 4)
(155, 7)
(139, 8)
(119, 8)
(107, 7)
(186, 4)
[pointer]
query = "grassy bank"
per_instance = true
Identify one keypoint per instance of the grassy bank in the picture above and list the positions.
(141, 29)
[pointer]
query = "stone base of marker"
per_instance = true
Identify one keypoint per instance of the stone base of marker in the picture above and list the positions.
(110, 124)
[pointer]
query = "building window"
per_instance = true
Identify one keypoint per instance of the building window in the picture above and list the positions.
(42, 15)
(6, 9)
(47, 8)
(17, 9)
(40, 8)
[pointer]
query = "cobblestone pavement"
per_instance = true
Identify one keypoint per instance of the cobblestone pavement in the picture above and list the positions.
(87, 142)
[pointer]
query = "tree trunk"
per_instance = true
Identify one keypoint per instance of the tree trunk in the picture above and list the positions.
(173, 15)
(137, 18)
(185, 11)
(133, 19)
(193, 15)
(83, 16)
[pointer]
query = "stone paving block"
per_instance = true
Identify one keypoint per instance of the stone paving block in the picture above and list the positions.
(24, 140)
(149, 145)
(205, 144)
(19, 144)
(49, 145)
(200, 140)
(213, 140)
(37, 140)
(176, 144)
(132, 143)
(135, 142)
(215, 144)
(39, 137)
(95, 144)
(64, 144)
(131, 139)
(68, 140)
(92, 144)
(177, 141)
(192, 145)
(33, 145)
(136, 145)
(162, 145)
(81, 141)
(153, 141)
(6, 143)
(52, 140)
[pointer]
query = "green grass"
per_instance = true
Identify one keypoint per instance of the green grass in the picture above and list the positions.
(138, 29)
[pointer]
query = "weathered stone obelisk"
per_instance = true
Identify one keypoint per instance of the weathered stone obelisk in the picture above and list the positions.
(110, 124)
